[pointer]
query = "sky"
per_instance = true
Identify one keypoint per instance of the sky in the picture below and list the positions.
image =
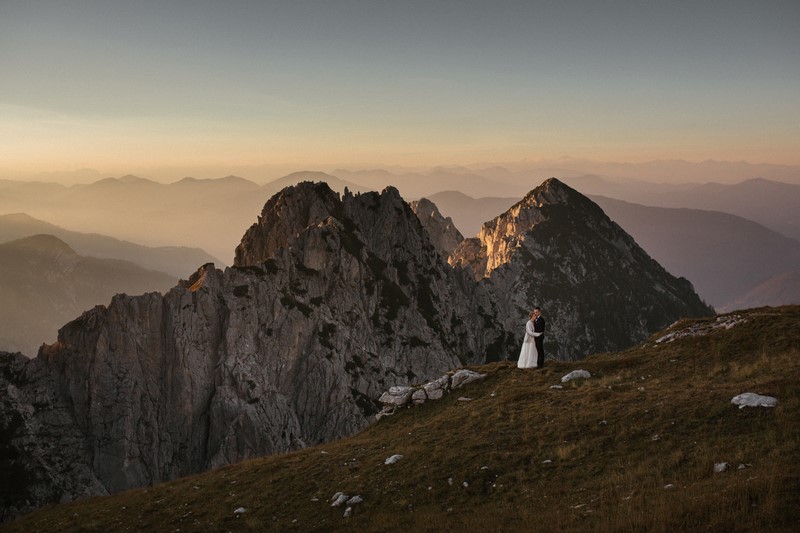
(140, 85)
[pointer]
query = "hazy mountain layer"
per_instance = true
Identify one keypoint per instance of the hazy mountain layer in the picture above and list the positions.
(44, 284)
(724, 255)
(177, 261)
(780, 289)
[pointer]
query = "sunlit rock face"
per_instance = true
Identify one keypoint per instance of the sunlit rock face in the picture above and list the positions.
(598, 289)
(332, 301)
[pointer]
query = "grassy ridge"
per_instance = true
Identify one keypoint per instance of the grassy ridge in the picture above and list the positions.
(596, 455)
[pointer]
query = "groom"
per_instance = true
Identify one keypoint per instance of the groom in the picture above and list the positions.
(538, 327)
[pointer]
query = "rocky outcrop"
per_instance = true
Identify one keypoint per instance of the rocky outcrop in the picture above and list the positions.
(443, 233)
(403, 396)
(332, 301)
(598, 290)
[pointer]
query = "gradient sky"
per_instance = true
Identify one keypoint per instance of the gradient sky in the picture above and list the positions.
(128, 85)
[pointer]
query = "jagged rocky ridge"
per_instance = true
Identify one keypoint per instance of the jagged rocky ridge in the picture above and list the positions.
(331, 301)
(598, 289)
(443, 233)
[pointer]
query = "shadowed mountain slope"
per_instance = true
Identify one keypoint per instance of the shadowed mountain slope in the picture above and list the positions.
(174, 260)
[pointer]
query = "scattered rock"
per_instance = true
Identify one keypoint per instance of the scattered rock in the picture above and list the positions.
(751, 399)
(556, 386)
(464, 399)
(419, 396)
(721, 467)
(339, 498)
(704, 328)
(393, 459)
(348, 512)
(547, 461)
(464, 377)
(669, 486)
(465, 484)
(397, 396)
(355, 499)
(576, 374)
(240, 510)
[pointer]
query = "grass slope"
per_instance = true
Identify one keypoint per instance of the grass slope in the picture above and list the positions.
(596, 455)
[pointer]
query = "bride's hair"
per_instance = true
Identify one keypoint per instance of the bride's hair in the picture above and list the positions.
(531, 315)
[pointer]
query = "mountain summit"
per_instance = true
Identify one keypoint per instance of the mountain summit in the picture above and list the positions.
(331, 302)
(598, 289)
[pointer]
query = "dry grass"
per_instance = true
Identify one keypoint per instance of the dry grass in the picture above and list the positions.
(596, 455)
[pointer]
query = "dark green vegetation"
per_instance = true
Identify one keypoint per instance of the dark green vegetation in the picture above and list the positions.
(596, 455)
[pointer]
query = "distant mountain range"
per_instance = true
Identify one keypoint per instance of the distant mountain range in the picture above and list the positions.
(177, 261)
(208, 214)
(770, 203)
(44, 284)
(773, 204)
(212, 214)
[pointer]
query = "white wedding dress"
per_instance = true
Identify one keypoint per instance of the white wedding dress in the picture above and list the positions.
(528, 355)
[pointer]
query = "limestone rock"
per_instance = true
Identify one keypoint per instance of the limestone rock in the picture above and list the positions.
(433, 390)
(397, 396)
(751, 399)
(443, 233)
(576, 374)
(463, 377)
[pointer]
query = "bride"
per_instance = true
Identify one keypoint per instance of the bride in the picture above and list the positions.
(528, 355)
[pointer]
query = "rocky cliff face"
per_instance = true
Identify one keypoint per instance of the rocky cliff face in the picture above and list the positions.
(443, 233)
(332, 301)
(598, 289)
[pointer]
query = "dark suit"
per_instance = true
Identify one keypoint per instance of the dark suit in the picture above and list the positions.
(538, 327)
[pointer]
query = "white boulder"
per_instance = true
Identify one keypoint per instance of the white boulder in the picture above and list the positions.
(751, 399)
(463, 376)
(393, 459)
(576, 374)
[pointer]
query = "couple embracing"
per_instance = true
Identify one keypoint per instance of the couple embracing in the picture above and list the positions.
(532, 353)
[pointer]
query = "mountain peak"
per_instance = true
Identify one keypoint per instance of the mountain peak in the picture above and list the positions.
(552, 191)
(558, 249)
(42, 243)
